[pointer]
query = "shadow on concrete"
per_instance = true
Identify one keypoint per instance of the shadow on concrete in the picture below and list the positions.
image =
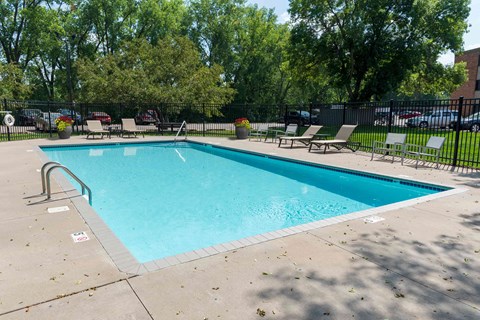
(409, 279)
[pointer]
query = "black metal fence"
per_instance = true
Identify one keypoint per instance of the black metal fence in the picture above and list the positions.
(458, 120)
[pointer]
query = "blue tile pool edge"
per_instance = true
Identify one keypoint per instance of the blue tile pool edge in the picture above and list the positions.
(127, 263)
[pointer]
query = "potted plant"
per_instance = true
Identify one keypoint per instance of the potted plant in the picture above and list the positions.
(64, 126)
(242, 127)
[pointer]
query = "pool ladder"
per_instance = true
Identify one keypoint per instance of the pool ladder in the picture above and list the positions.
(184, 124)
(46, 179)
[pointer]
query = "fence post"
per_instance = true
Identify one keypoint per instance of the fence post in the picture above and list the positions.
(390, 116)
(344, 112)
(203, 119)
(310, 108)
(49, 120)
(8, 128)
(457, 131)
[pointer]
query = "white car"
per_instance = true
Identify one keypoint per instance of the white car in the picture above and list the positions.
(46, 121)
(433, 119)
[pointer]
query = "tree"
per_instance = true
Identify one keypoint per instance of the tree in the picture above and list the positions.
(433, 81)
(248, 42)
(261, 74)
(170, 71)
(12, 84)
(368, 47)
(160, 19)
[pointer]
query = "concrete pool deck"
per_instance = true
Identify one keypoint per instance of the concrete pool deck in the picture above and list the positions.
(421, 262)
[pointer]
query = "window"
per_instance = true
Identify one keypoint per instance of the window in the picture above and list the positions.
(477, 85)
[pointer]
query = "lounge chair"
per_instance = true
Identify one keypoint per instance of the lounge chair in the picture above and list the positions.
(260, 132)
(129, 127)
(339, 142)
(291, 130)
(393, 145)
(305, 138)
(95, 127)
(431, 149)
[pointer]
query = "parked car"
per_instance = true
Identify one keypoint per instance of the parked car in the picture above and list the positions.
(300, 117)
(381, 118)
(408, 114)
(102, 116)
(26, 117)
(147, 117)
(77, 118)
(472, 123)
(433, 119)
(45, 121)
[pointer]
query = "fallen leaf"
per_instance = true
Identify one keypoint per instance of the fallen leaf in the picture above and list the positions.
(261, 312)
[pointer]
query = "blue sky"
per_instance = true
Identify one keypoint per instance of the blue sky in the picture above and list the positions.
(471, 39)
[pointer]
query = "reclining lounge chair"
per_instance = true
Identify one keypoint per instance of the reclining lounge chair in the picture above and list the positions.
(129, 127)
(305, 138)
(339, 142)
(95, 127)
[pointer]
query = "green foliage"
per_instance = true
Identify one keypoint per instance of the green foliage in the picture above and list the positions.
(170, 71)
(12, 84)
(368, 47)
(334, 49)
(433, 81)
(248, 42)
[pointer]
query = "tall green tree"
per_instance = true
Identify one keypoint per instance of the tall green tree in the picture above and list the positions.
(368, 47)
(12, 82)
(170, 71)
(159, 19)
(260, 73)
(248, 42)
(433, 81)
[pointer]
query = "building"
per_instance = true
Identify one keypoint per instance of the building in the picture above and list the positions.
(471, 88)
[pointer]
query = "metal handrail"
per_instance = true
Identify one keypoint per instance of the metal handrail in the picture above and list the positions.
(42, 173)
(58, 165)
(184, 124)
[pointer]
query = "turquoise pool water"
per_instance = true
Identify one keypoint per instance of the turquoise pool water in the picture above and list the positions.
(162, 199)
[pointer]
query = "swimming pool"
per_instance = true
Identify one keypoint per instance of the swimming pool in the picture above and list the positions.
(164, 199)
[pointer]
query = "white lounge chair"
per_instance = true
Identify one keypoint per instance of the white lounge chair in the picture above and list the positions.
(260, 132)
(340, 141)
(305, 138)
(129, 127)
(393, 145)
(95, 127)
(431, 149)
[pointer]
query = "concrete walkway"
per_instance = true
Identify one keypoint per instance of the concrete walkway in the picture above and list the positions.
(421, 262)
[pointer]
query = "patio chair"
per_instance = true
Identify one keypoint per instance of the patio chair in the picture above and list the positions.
(305, 138)
(129, 127)
(393, 145)
(260, 132)
(339, 142)
(291, 130)
(95, 127)
(431, 149)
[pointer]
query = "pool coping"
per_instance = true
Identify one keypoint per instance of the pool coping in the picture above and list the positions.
(127, 263)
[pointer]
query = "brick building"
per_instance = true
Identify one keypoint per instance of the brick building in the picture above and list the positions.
(471, 88)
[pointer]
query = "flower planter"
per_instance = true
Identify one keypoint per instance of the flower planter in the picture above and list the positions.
(241, 132)
(65, 134)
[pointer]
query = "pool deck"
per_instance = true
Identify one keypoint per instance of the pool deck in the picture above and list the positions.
(421, 262)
